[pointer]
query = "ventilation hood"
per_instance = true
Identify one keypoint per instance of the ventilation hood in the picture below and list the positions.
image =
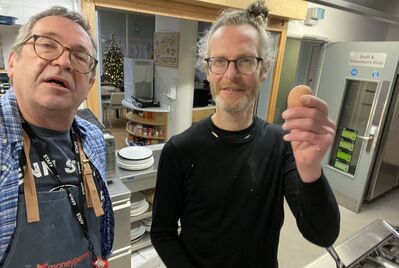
(384, 10)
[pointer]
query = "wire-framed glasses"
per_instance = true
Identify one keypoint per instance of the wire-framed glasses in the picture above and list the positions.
(48, 48)
(244, 65)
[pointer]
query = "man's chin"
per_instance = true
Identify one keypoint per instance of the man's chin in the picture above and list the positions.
(232, 106)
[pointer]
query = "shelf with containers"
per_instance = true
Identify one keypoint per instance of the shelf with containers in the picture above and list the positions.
(146, 127)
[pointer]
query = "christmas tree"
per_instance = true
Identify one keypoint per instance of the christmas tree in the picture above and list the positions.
(113, 64)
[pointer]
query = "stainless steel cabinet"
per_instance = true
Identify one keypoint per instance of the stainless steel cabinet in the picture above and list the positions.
(120, 196)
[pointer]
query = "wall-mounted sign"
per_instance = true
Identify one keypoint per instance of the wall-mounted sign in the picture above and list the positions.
(166, 49)
(366, 59)
(354, 72)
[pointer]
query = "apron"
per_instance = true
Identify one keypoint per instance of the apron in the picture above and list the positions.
(56, 240)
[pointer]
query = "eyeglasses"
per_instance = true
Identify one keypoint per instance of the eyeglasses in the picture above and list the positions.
(244, 65)
(50, 49)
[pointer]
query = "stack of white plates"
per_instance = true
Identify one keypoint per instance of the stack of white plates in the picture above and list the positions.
(138, 204)
(147, 224)
(135, 158)
(137, 229)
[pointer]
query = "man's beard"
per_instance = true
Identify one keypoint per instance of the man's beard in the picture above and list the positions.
(235, 106)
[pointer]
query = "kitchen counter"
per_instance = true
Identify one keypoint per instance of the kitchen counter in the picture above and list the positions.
(117, 190)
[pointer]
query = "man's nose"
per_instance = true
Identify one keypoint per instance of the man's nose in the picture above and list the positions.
(232, 71)
(64, 60)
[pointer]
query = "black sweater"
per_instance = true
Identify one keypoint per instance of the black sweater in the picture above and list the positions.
(227, 188)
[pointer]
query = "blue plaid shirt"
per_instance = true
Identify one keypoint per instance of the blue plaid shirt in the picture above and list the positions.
(11, 143)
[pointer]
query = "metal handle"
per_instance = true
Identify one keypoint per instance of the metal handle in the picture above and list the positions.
(391, 228)
(335, 256)
(366, 138)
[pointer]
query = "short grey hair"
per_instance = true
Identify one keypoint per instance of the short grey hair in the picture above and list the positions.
(26, 30)
(255, 15)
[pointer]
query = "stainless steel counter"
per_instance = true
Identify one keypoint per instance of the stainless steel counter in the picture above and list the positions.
(355, 247)
(118, 191)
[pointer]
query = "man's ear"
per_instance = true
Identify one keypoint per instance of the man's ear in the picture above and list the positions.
(91, 81)
(12, 58)
(264, 72)
(263, 75)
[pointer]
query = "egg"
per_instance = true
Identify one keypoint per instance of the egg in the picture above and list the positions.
(296, 93)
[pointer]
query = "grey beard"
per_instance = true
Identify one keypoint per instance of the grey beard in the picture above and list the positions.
(235, 107)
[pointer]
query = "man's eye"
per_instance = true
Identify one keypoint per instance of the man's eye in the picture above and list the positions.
(47, 45)
(246, 60)
(81, 57)
(218, 61)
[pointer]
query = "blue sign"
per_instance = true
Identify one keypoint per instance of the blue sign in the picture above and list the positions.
(354, 72)
(375, 74)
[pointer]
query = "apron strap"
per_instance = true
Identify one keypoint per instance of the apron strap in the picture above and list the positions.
(92, 197)
(31, 202)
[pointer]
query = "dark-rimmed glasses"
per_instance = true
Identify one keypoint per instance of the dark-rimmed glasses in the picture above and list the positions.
(48, 48)
(244, 65)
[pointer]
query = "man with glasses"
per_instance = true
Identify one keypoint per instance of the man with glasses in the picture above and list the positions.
(226, 177)
(55, 209)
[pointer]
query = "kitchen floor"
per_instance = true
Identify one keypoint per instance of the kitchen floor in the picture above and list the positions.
(294, 250)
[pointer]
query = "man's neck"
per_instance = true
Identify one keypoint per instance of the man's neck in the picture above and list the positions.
(55, 120)
(233, 121)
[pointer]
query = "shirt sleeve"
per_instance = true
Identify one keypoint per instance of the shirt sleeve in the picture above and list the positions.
(313, 205)
(168, 208)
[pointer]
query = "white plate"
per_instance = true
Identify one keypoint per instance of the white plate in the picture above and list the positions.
(136, 239)
(137, 232)
(140, 210)
(137, 197)
(135, 167)
(135, 153)
(135, 162)
(136, 205)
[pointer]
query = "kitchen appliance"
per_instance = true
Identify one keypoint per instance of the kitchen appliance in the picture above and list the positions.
(358, 80)
(375, 246)
(110, 155)
(138, 79)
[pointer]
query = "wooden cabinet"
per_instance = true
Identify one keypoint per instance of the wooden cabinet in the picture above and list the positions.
(146, 127)
(202, 112)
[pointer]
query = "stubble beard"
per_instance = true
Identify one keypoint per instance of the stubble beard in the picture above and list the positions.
(237, 106)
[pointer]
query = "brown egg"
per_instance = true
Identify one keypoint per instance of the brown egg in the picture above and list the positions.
(296, 93)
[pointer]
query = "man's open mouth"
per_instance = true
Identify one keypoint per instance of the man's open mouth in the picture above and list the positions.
(58, 82)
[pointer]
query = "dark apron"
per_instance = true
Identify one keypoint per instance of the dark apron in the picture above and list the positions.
(57, 239)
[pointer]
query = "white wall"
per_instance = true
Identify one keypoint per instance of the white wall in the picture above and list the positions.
(339, 25)
(393, 33)
(182, 78)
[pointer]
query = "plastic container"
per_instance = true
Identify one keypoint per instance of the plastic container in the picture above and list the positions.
(7, 20)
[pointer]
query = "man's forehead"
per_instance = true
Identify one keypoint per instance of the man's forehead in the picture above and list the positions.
(72, 34)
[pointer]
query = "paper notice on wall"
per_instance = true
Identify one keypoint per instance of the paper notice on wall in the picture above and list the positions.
(366, 59)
